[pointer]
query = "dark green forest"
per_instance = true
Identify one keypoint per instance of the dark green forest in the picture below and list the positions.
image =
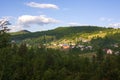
(21, 62)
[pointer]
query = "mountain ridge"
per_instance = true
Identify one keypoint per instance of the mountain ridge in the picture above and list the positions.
(65, 34)
(58, 32)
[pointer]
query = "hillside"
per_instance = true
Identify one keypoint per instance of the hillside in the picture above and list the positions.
(58, 32)
(64, 35)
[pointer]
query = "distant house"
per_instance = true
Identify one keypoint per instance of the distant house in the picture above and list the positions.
(109, 51)
(65, 46)
(85, 41)
(117, 53)
(116, 45)
(60, 45)
(80, 46)
(81, 49)
(88, 47)
(54, 44)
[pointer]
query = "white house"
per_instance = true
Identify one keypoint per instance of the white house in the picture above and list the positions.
(109, 51)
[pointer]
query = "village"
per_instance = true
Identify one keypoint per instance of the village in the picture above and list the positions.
(84, 46)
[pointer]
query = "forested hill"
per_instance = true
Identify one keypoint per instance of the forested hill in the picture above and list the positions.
(20, 32)
(64, 34)
(57, 33)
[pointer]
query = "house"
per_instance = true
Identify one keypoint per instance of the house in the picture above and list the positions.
(81, 49)
(65, 46)
(116, 45)
(117, 53)
(80, 46)
(109, 51)
(88, 47)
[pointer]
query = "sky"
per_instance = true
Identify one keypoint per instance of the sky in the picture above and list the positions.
(38, 15)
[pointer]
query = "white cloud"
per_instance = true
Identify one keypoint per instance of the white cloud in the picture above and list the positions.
(27, 20)
(105, 19)
(39, 5)
(114, 25)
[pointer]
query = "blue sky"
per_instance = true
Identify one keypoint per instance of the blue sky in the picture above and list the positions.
(37, 15)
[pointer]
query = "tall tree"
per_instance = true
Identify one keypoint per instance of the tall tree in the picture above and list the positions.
(4, 36)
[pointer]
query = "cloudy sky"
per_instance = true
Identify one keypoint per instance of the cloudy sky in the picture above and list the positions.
(38, 15)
